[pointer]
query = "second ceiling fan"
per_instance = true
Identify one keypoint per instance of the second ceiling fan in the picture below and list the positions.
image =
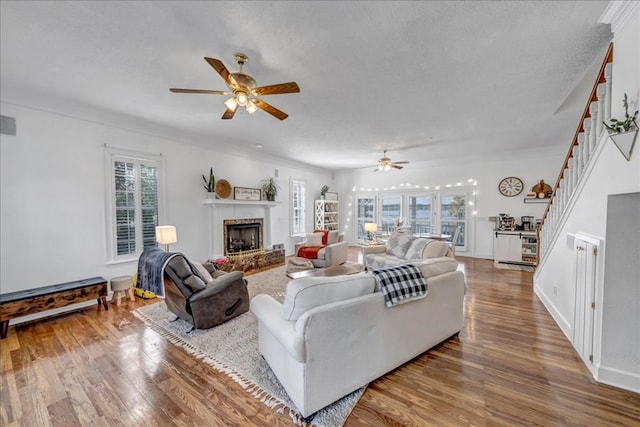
(244, 90)
(385, 163)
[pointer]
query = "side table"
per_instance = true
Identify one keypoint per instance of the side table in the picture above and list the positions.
(363, 249)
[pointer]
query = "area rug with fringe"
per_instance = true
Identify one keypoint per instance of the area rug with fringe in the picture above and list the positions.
(232, 348)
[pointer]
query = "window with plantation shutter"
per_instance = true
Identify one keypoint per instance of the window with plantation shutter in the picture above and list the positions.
(132, 205)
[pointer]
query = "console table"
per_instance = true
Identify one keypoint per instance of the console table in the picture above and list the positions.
(31, 301)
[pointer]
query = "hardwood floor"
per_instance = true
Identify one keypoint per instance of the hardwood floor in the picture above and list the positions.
(510, 365)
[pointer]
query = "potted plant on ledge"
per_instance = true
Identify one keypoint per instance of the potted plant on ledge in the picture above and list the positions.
(624, 132)
(209, 184)
(323, 191)
(270, 188)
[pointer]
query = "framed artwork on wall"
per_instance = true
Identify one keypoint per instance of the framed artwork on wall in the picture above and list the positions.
(243, 193)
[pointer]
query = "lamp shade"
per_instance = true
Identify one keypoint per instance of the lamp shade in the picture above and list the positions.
(166, 234)
(370, 227)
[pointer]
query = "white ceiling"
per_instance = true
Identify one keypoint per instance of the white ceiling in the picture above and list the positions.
(426, 80)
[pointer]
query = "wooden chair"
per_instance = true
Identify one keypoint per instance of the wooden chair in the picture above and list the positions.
(454, 239)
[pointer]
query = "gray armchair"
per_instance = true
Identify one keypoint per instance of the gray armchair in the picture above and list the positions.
(203, 304)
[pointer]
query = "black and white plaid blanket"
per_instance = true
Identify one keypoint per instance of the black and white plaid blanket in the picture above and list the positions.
(400, 284)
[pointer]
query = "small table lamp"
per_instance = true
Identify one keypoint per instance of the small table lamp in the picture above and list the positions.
(166, 234)
(370, 228)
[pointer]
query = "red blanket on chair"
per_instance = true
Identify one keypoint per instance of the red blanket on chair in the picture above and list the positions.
(309, 252)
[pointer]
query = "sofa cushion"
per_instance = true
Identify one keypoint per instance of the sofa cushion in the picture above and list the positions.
(399, 243)
(202, 271)
(194, 283)
(186, 274)
(314, 239)
(308, 292)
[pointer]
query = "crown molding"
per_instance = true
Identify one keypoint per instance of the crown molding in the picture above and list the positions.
(617, 13)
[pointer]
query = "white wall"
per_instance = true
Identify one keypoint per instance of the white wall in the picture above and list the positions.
(611, 174)
(531, 167)
(52, 203)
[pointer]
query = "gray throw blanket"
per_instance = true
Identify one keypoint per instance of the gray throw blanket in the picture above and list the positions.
(151, 269)
(400, 284)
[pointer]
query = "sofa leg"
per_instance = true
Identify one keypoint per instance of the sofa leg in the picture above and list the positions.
(309, 418)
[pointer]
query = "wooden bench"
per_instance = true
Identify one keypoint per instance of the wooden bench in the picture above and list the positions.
(22, 303)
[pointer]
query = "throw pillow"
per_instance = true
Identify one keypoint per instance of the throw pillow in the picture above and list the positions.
(398, 244)
(416, 248)
(334, 237)
(325, 234)
(314, 239)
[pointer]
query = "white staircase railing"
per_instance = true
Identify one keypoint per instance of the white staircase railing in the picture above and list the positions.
(579, 158)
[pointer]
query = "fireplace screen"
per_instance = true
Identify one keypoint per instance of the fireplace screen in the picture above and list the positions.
(242, 235)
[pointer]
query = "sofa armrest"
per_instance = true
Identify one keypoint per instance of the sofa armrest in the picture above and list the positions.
(297, 246)
(269, 314)
(374, 249)
(336, 253)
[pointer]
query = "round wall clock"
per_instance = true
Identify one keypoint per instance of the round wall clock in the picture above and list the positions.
(510, 186)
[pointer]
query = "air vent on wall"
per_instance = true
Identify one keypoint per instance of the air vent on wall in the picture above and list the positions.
(7, 125)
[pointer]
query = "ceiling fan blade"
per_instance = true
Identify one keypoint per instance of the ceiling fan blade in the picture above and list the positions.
(270, 109)
(376, 169)
(290, 87)
(221, 69)
(213, 92)
(396, 166)
(228, 114)
(404, 162)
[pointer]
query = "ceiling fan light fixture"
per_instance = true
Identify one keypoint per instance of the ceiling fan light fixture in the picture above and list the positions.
(242, 98)
(251, 107)
(231, 103)
(387, 167)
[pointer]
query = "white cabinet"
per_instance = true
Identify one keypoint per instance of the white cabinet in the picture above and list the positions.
(517, 247)
(326, 214)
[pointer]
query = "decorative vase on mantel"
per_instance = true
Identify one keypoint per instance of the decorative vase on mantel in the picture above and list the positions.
(211, 195)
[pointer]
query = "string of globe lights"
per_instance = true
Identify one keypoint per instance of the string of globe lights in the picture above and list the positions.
(414, 187)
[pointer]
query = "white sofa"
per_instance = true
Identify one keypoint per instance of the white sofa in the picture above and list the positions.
(402, 248)
(334, 253)
(334, 335)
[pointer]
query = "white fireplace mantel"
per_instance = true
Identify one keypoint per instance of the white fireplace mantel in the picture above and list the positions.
(221, 209)
(264, 203)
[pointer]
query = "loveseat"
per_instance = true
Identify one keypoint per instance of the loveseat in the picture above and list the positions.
(402, 248)
(332, 251)
(334, 335)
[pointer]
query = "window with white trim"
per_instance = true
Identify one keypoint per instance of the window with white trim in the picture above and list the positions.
(298, 210)
(132, 203)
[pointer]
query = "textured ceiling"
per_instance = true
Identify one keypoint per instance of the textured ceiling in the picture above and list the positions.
(426, 80)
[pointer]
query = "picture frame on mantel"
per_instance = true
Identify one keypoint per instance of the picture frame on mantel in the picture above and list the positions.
(244, 193)
(330, 196)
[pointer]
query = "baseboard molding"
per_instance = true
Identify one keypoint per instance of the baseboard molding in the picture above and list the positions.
(564, 324)
(617, 378)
